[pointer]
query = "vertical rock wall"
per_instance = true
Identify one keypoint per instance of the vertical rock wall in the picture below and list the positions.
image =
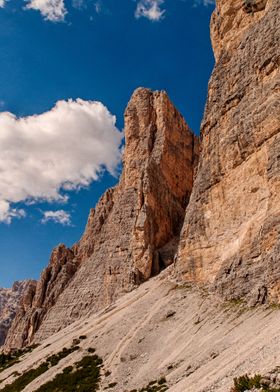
(134, 230)
(231, 234)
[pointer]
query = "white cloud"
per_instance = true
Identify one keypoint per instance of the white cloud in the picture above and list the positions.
(150, 9)
(62, 217)
(7, 213)
(42, 157)
(98, 6)
(206, 3)
(2, 3)
(53, 10)
(79, 4)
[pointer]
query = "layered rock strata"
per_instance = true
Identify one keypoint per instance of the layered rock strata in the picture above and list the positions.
(231, 233)
(134, 230)
(9, 303)
(40, 296)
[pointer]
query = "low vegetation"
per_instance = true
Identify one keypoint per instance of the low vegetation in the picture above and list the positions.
(246, 383)
(84, 376)
(9, 359)
(154, 386)
(26, 378)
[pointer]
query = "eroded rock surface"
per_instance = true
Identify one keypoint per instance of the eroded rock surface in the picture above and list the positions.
(40, 296)
(136, 225)
(134, 230)
(231, 234)
(9, 302)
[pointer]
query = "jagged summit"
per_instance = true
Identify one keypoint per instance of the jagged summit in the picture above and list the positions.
(132, 233)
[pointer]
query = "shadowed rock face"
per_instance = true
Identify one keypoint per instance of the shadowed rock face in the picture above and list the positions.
(9, 302)
(133, 232)
(231, 234)
(254, 5)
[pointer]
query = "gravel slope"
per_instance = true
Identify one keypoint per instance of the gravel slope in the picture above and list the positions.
(163, 329)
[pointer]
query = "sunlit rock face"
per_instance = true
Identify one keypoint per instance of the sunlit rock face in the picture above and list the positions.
(231, 234)
(133, 232)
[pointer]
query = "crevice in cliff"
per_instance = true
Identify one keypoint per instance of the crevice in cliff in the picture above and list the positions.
(251, 6)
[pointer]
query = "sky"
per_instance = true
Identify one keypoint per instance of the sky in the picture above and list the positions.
(67, 71)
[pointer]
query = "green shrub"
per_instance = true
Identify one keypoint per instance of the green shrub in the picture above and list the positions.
(154, 386)
(245, 383)
(111, 385)
(9, 359)
(85, 377)
(26, 378)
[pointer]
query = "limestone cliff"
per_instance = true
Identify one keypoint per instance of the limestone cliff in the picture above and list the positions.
(134, 230)
(9, 302)
(40, 296)
(231, 233)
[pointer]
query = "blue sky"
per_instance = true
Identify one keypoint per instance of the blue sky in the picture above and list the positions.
(52, 51)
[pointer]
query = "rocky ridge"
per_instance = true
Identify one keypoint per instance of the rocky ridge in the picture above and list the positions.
(133, 232)
(9, 302)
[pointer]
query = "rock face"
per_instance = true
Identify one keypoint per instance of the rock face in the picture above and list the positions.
(131, 235)
(231, 233)
(9, 302)
(40, 296)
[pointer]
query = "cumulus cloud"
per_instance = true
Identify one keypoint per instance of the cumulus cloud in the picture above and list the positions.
(150, 9)
(43, 157)
(2, 3)
(53, 10)
(61, 217)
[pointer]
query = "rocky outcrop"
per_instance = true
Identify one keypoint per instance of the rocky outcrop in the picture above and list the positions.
(231, 234)
(9, 302)
(132, 233)
(40, 296)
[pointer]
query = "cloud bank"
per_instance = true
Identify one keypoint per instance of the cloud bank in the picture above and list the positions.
(150, 9)
(42, 157)
(53, 10)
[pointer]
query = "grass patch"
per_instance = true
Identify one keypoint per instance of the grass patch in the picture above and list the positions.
(84, 377)
(26, 378)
